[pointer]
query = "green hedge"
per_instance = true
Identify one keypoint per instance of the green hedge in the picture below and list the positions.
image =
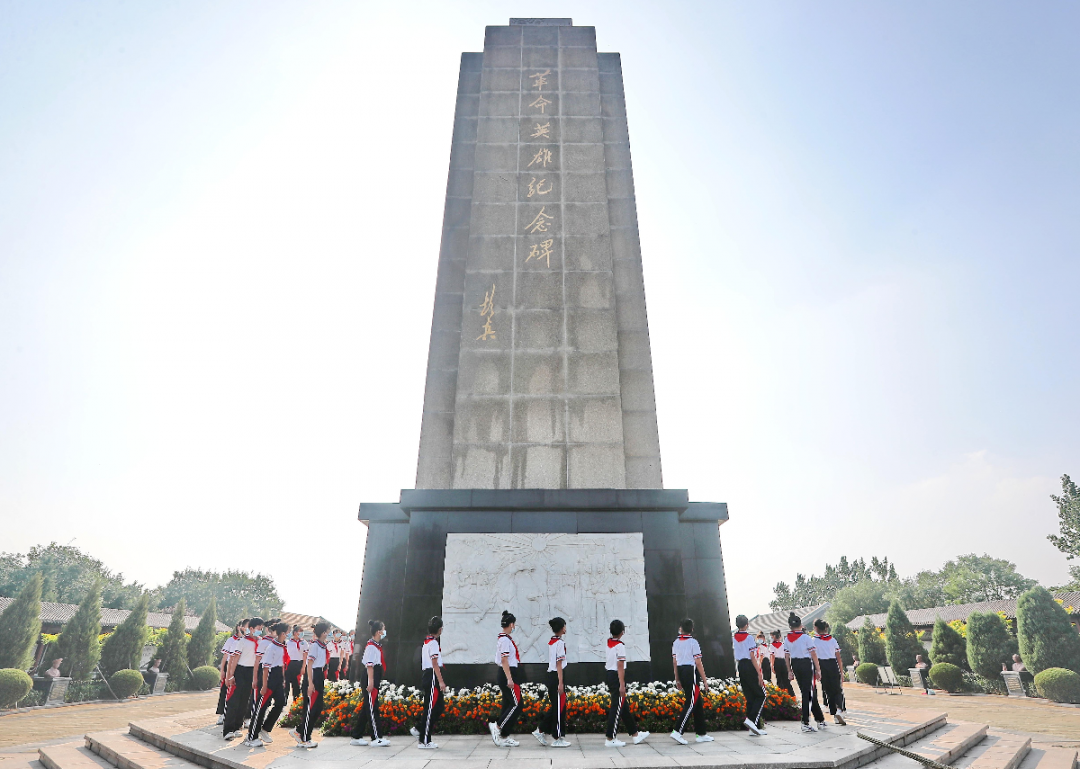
(125, 683)
(205, 677)
(867, 673)
(14, 685)
(1058, 685)
(947, 676)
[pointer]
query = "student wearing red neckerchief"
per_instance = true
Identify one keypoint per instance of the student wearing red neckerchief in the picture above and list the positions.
(297, 648)
(749, 668)
(432, 684)
(228, 649)
(507, 658)
(554, 722)
(801, 656)
(779, 663)
(374, 664)
(272, 662)
(832, 680)
(691, 680)
(615, 673)
(314, 680)
(762, 652)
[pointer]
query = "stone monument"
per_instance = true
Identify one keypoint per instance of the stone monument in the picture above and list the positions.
(538, 484)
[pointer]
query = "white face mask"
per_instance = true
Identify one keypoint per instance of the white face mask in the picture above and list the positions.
(383, 635)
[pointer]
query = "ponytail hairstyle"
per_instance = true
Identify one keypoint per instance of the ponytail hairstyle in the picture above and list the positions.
(794, 620)
(775, 635)
(687, 626)
(375, 626)
(821, 626)
(279, 627)
(434, 624)
(507, 620)
(616, 627)
(557, 624)
(320, 629)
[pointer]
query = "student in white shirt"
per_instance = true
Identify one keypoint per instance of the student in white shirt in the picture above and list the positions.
(432, 684)
(748, 666)
(691, 680)
(763, 656)
(615, 674)
(333, 669)
(314, 681)
(554, 721)
(801, 655)
(297, 649)
(273, 667)
(831, 664)
(779, 663)
(507, 657)
(374, 663)
(239, 677)
(228, 649)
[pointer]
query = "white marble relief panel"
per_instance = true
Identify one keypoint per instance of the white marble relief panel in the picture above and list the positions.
(587, 579)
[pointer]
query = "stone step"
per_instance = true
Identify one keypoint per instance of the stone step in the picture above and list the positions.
(1057, 758)
(952, 742)
(1006, 752)
(70, 755)
(124, 751)
(926, 745)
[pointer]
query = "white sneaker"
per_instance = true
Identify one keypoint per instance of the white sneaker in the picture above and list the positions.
(495, 734)
(310, 744)
(255, 743)
(839, 719)
(560, 743)
(414, 731)
(362, 741)
(540, 736)
(821, 726)
(295, 735)
(220, 720)
(808, 728)
(428, 746)
(616, 743)
(752, 727)
(641, 737)
(679, 738)
(510, 742)
(704, 738)
(234, 735)
(266, 738)
(382, 742)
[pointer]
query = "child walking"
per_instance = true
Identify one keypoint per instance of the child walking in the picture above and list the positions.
(374, 665)
(615, 676)
(432, 684)
(314, 680)
(779, 663)
(832, 678)
(691, 680)
(554, 722)
(802, 659)
(763, 657)
(273, 666)
(297, 649)
(238, 677)
(507, 658)
(228, 649)
(749, 668)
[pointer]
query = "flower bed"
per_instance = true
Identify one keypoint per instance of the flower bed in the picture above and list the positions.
(468, 711)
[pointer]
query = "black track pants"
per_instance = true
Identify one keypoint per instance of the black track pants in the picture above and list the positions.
(832, 686)
(688, 677)
(783, 678)
(511, 703)
(434, 703)
(237, 701)
(266, 715)
(752, 690)
(293, 673)
(619, 710)
(312, 705)
(554, 722)
(368, 715)
(803, 668)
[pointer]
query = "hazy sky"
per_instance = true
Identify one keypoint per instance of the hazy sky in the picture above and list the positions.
(219, 227)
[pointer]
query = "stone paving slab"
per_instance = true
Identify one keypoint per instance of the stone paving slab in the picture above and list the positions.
(1057, 758)
(196, 739)
(70, 755)
(1007, 752)
(951, 743)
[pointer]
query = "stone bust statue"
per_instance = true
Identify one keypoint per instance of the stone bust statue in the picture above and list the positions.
(54, 671)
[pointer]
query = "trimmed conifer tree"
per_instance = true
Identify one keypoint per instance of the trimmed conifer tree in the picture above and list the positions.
(901, 641)
(871, 647)
(78, 643)
(173, 649)
(122, 650)
(201, 645)
(989, 644)
(948, 645)
(20, 627)
(846, 641)
(1045, 635)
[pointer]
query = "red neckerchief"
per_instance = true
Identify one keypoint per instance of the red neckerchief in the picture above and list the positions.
(554, 638)
(326, 659)
(793, 636)
(382, 658)
(684, 637)
(613, 642)
(825, 637)
(741, 636)
(517, 654)
(777, 644)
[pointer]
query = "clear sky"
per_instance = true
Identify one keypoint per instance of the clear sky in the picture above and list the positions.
(219, 226)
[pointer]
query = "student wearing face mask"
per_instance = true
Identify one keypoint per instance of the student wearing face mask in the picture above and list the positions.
(239, 677)
(228, 649)
(832, 686)
(273, 666)
(314, 680)
(779, 663)
(432, 685)
(297, 648)
(335, 657)
(374, 664)
(763, 657)
(801, 654)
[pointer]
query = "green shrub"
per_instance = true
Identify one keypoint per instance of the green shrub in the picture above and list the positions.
(20, 626)
(947, 676)
(205, 677)
(867, 673)
(847, 642)
(871, 647)
(901, 642)
(14, 685)
(1046, 637)
(125, 683)
(1058, 685)
(122, 650)
(78, 643)
(989, 644)
(201, 645)
(173, 649)
(948, 645)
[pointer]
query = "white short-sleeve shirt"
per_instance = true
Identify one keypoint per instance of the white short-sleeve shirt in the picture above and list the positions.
(826, 647)
(296, 649)
(372, 653)
(556, 652)
(685, 650)
(431, 650)
(616, 650)
(318, 654)
(274, 655)
(798, 644)
(231, 646)
(505, 647)
(744, 646)
(248, 649)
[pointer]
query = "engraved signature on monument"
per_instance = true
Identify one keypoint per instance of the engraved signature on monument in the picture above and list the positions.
(588, 579)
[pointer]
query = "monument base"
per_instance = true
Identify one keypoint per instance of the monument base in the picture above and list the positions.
(406, 563)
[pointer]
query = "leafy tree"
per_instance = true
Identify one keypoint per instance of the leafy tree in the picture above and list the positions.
(948, 645)
(849, 644)
(923, 591)
(871, 647)
(901, 641)
(67, 575)
(866, 597)
(1068, 520)
(1046, 637)
(814, 590)
(1074, 581)
(239, 594)
(989, 644)
(20, 626)
(78, 643)
(975, 578)
(122, 650)
(173, 649)
(201, 645)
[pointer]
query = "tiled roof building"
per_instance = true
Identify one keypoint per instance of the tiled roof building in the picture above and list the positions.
(923, 619)
(55, 615)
